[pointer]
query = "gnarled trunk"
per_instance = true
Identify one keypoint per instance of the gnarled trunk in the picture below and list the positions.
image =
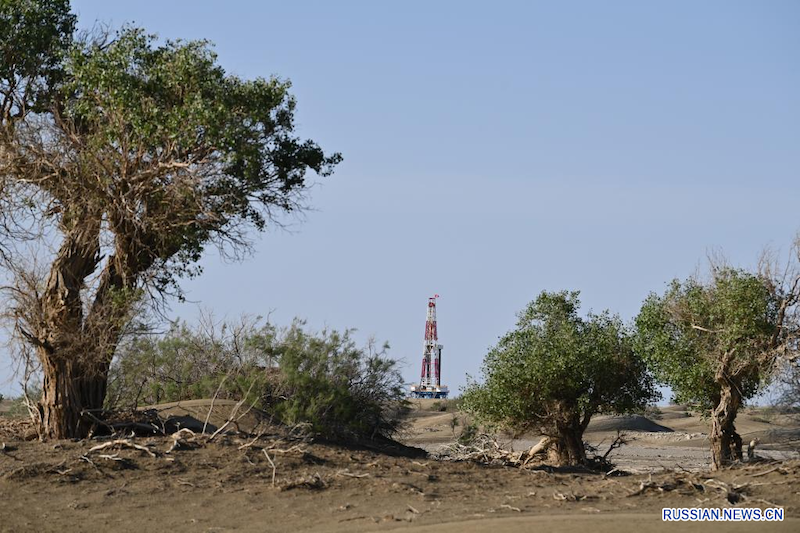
(69, 392)
(74, 350)
(726, 444)
(566, 447)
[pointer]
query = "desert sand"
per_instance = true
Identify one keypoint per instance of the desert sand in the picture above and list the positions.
(228, 485)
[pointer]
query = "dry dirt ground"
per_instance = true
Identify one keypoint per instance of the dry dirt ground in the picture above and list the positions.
(675, 439)
(229, 484)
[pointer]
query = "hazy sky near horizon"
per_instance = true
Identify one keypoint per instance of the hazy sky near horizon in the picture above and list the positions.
(493, 150)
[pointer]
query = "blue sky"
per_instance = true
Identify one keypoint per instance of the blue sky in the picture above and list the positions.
(493, 150)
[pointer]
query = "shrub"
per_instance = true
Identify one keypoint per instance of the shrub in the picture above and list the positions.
(468, 434)
(439, 406)
(226, 361)
(341, 389)
(653, 412)
(16, 408)
(324, 379)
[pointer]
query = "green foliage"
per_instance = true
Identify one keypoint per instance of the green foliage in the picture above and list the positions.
(439, 406)
(153, 138)
(215, 150)
(187, 364)
(696, 332)
(127, 157)
(557, 368)
(468, 434)
(36, 35)
(341, 389)
(326, 380)
(16, 409)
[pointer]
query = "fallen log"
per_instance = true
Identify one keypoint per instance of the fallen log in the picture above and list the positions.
(539, 447)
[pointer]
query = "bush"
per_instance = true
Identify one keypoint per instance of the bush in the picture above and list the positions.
(653, 412)
(323, 379)
(16, 408)
(226, 361)
(342, 390)
(439, 406)
(468, 434)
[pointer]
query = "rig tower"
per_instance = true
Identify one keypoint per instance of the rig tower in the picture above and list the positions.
(430, 383)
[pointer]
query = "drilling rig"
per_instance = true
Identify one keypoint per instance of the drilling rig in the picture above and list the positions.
(430, 383)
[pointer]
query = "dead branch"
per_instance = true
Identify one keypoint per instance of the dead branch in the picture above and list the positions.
(619, 441)
(248, 444)
(484, 449)
(771, 470)
(272, 464)
(178, 440)
(235, 410)
(97, 421)
(350, 474)
(706, 330)
(511, 508)
(539, 447)
(214, 399)
(295, 448)
(121, 442)
(87, 460)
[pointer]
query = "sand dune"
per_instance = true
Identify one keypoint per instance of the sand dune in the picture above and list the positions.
(625, 423)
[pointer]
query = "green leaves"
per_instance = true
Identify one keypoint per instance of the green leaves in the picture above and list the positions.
(152, 137)
(558, 366)
(341, 389)
(34, 35)
(698, 333)
(162, 111)
(324, 379)
(197, 153)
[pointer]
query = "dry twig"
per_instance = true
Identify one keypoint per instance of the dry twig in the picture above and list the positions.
(350, 474)
(121, 442)
(273, 466)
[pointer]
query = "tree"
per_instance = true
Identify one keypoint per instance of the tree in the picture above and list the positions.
(128, 157)
(716, 342)
(789, 386)
(556, 370)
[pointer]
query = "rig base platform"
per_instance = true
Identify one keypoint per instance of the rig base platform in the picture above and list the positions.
(432, 392)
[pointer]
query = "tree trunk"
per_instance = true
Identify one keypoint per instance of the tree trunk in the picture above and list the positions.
(566, 448)
(726, 444)
(69, 390)
(75, 350)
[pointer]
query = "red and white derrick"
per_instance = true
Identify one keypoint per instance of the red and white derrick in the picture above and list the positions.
(430, 384)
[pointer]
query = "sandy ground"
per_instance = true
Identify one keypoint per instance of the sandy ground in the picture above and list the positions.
(228, 485)
(678, 439)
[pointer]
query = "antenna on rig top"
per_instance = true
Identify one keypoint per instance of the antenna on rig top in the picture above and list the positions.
(430, 383)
